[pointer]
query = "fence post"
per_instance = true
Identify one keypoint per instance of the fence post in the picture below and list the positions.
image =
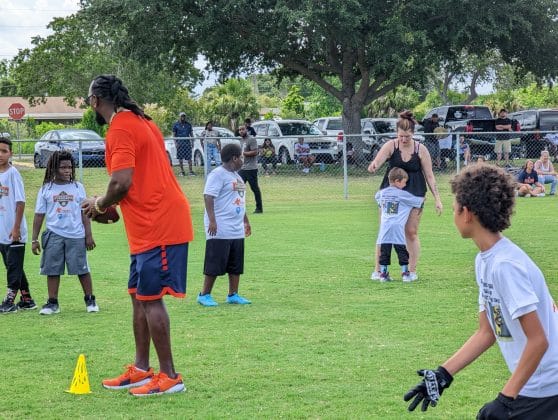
(80, 162)
(345, 169)
(457, 156)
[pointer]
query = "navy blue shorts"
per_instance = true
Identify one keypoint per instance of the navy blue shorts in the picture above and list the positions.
(183, 149)
(158, 272)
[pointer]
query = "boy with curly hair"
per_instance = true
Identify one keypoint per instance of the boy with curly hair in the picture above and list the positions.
(516, 309)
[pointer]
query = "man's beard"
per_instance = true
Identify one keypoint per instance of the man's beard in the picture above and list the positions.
(100, 119)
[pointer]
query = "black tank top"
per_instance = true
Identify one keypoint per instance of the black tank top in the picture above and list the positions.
(416, 184)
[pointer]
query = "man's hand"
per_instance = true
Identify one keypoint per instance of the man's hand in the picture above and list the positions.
(35, 247)
(15, 234)
(500, 408)
(429, 389)
(212, 228)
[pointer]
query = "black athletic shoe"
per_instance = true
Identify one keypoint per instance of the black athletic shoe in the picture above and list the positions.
(8, 306)
(26, 304)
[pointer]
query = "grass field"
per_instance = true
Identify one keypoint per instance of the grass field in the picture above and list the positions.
(319, 341)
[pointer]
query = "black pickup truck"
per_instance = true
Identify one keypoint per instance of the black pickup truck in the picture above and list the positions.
(473, 121)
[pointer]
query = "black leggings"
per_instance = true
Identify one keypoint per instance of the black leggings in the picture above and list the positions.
(13, 255)
(385, 254)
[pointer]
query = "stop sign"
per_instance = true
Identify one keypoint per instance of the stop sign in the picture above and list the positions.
(16, 111)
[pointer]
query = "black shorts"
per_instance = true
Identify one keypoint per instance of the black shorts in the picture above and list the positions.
(223, 256)
(183, 149)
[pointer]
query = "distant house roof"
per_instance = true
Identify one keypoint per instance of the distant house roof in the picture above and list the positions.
(54, 109)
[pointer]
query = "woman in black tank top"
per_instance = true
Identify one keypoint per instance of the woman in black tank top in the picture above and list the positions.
(405, 153)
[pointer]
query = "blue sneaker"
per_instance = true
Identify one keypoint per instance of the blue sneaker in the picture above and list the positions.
(206, 300)
(237, 299)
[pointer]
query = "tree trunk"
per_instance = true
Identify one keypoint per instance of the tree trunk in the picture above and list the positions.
(352, 109)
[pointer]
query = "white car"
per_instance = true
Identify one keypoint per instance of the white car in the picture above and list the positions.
(331, 126)
(285, 133)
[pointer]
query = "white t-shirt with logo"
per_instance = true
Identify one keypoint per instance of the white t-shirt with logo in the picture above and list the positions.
(510, 286)
(396, 205)
(61, 205)
(11, 192)
(229, 192)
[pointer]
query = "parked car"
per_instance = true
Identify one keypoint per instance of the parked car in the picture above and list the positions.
(330, 126)
(473, 121)
(285, 133)
(376, 131)
(535, 120)
(91, 145)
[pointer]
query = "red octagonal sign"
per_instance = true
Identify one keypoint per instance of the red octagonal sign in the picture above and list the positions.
(16, 111)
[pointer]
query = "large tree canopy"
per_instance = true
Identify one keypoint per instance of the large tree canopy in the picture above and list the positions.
(372, 46)
(64, 63)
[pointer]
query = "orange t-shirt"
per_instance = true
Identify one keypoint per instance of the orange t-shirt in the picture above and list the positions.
(155, 210)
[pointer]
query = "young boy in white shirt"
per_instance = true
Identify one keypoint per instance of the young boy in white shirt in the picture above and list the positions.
(515, 306)
(396, 205)
(226, 226)
(13, 232)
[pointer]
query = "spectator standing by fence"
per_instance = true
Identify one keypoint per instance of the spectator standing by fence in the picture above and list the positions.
(249, 171)
(431, 141)
(406, 153)
(211, 144)
(503, 142)
(183, 140)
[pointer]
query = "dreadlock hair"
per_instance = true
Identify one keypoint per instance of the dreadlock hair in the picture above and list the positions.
(111, 89)
(53, 165)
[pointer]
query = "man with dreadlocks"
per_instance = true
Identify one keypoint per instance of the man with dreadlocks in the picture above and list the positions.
(68, 231)
(158, 224)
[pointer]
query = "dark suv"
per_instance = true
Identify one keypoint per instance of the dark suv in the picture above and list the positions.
(535, 120)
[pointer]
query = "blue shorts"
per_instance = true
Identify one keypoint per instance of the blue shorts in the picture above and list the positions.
(158, 272)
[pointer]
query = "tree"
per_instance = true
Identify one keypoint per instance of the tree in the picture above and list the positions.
(372, 46)
(293, 104)
(226, 103)
(64, 63)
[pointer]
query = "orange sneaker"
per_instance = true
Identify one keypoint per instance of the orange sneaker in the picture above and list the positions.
(130, 378)
(160, 384)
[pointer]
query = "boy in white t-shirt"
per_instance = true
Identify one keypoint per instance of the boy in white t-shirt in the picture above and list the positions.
(13, 232)
(226, 226)
(396, 205)
(68, 231)
(515, 306)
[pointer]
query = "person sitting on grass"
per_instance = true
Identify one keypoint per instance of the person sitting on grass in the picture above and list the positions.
(515, 308)
(268, 156)
(395, 205)
(464, 151)
(226, 226)
(529, 185)
(68, 231)
(302, 153)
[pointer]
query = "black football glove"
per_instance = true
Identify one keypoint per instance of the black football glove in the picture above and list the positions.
(499, 409)
(429, 389)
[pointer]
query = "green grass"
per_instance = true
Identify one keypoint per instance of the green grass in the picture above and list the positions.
(320, 339)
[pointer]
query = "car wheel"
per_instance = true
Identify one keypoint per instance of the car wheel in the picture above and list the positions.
(284, 156)
(198, 159)
(37, 160)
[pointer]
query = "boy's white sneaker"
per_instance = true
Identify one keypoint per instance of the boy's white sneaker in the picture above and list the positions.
(375, 275)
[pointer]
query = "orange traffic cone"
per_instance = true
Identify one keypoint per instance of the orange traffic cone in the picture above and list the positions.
(80, 383)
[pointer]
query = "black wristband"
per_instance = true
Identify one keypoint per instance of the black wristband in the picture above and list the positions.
(445, 376)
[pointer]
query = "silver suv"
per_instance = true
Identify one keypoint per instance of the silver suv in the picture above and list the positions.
(285, 133)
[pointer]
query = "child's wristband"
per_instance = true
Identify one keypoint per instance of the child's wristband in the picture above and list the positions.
(35, 241)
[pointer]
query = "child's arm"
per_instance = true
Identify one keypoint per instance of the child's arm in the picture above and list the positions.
(210, 209)
(477, 344)
(89, 241)
(429, 390)
(247, 227)
(37, 224)
(15, 235)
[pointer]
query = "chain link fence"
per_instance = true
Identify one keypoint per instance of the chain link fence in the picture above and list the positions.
(342, 157)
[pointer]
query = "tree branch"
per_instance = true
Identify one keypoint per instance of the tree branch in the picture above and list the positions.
(306, 72)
